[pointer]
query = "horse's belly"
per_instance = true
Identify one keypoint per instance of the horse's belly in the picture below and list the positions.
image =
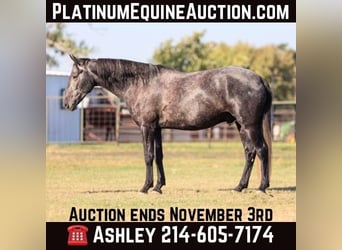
(193, 121)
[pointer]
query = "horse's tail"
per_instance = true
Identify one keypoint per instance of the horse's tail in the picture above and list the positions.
(266, 124)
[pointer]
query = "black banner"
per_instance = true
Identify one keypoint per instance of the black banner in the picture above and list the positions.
(186, 235)
(170, 11)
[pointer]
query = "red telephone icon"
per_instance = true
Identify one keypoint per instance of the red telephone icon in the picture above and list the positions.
(77, 235)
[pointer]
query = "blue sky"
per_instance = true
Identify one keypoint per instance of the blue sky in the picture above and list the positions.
(137, 41)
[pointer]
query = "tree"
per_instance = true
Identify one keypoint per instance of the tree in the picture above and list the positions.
(188, 55)
(60, 43)
(276, 63)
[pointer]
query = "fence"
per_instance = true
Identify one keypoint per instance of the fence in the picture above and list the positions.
(103, 118)
(284, 121)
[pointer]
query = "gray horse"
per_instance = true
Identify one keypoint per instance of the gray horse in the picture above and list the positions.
(159, 97)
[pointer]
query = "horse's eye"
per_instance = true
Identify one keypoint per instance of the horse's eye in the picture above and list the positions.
(75, 75)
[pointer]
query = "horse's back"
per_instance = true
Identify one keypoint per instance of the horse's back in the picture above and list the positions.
(227, 85)
(215, 79)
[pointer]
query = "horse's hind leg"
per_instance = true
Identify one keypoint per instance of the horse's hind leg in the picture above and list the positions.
(262, 153)
(148, 141)
(254, 134)
(159, 161)
(250, 153)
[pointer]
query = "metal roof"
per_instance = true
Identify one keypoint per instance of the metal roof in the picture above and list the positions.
(56, 73)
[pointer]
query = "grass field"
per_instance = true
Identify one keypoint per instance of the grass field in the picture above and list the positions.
(109, 176)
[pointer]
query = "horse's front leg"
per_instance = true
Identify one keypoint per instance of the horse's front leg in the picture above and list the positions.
(159, 161)
(148, 141)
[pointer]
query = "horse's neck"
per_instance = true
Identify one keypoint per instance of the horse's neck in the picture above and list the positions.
(112, 86)
(116, 89)
(122, 80)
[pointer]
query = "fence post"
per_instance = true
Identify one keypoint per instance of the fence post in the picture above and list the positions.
(117, 120)
(82, 123)
(209, 131)
(47, 120)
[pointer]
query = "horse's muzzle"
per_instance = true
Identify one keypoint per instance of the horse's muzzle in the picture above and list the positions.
(67, 106)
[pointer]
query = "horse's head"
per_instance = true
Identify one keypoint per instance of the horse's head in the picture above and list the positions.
(81, 82)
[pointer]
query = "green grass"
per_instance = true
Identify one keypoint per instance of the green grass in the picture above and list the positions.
(109, 176)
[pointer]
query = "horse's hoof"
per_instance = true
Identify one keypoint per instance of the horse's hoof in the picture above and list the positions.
(143, 190)
(154, 191)
(236, 191)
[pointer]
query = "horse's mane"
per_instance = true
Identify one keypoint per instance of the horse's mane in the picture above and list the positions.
(120, 71)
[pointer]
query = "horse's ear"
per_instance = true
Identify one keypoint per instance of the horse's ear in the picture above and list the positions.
(79, 62)
(75, 59)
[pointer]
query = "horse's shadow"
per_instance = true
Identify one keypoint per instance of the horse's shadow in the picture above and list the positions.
(291, 189)
(288, 189)
(284, 189)
(110, 191)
